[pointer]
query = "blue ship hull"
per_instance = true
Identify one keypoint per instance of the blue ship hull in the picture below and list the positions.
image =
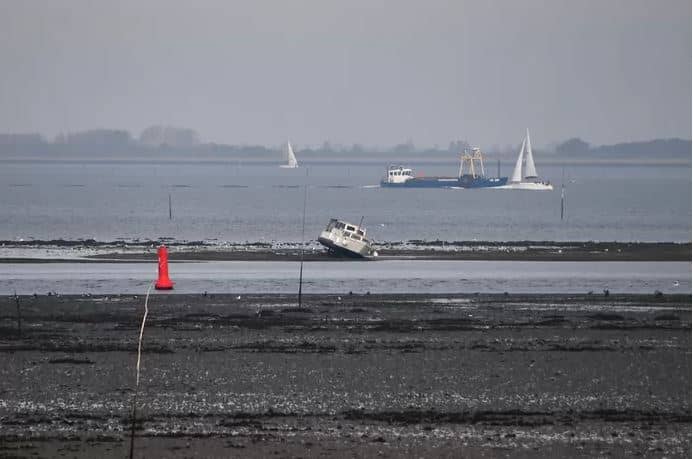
(466, 181)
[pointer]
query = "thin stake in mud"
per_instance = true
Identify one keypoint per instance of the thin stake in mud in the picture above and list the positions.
(562, 192)
(19, 315)
(303, 237)
(137, 378)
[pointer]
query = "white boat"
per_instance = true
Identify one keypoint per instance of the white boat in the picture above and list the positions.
(346, 239)
(290, 157)
(529, 180)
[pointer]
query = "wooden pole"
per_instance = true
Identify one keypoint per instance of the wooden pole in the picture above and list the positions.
(137, 378)
(562, 192)
(303, 237)
(19, 315)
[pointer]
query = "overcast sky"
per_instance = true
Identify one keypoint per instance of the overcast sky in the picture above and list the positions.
(358, 71)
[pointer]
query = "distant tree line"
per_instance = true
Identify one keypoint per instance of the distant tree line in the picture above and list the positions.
(157, 136)
(100, 141)
(167, 138)
(577, 148)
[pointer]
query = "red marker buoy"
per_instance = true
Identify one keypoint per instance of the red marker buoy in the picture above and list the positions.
(163, 282)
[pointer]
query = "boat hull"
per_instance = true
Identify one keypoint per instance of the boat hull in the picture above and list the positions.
(351, 251)
(465, 181)
(528, 186)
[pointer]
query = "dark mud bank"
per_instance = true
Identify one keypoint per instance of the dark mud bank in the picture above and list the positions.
(388, 375)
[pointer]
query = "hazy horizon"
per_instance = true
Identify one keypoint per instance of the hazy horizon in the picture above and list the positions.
(366, 72)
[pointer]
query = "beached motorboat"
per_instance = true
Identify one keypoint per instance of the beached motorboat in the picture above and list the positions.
(346, 239)
(471, 175)
(290, 157)
(530, 180)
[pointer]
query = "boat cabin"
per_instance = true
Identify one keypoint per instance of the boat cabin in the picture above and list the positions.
(346, 239)
(399, 174)
(347, 229)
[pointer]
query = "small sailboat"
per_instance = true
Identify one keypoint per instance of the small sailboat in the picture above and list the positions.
(530, 179)
(290, 157)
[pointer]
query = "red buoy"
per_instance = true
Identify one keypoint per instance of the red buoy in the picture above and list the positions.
(163, 282)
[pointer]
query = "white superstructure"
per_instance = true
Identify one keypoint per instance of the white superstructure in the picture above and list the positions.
(399, 174)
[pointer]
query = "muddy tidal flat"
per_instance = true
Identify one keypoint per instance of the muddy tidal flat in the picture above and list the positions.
(91, 251)
(347, 376)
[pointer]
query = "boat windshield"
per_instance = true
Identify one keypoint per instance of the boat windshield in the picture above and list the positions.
(398, 171)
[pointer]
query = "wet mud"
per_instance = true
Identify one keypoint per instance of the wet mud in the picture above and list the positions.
(347, 375)
(135, 250)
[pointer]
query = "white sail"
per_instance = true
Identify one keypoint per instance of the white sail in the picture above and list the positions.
(516, 182)
(530, 170)
(517, 172)
(290, 157)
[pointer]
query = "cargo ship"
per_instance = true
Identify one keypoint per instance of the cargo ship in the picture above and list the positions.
(470, 175)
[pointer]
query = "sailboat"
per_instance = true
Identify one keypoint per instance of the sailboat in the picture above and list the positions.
(530, 180)
(291, 162)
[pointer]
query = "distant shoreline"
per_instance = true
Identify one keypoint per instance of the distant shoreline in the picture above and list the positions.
(167, 143)
(312, 159)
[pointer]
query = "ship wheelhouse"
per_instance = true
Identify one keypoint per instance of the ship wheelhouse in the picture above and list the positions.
(399, 174)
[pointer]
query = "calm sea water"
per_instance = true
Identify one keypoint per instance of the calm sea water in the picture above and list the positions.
(230, 201)
(389, 276)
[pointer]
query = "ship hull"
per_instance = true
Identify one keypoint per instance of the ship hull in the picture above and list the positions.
(342, 251)
(467, 181)
(448, 182)
(528, 186)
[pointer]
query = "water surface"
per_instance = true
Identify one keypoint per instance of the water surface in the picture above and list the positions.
(419, 276)
(231, 201)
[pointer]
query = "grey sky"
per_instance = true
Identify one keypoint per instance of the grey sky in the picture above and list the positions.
(367, 71)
